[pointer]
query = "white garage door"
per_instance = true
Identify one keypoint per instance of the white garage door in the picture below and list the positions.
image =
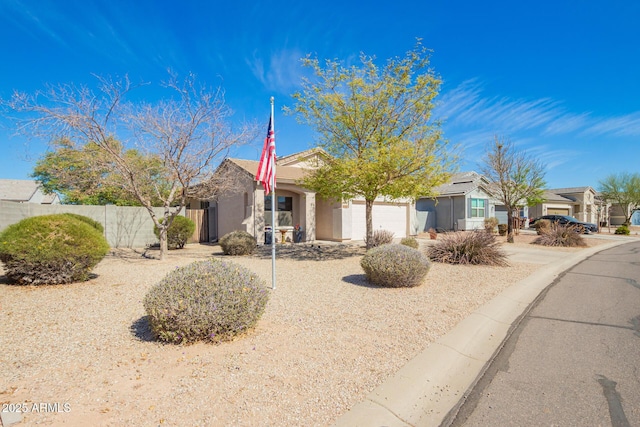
(385, 216)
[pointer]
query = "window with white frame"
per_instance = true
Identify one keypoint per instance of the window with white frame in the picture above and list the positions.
(478, 208)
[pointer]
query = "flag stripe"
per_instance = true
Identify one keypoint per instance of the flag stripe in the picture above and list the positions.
(267, 167)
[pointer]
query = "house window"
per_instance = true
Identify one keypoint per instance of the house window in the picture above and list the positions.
(477, 208)
(284, 209)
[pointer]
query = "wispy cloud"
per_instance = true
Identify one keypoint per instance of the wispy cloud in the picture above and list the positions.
(465, 107)
(627, 125)
(280, 72)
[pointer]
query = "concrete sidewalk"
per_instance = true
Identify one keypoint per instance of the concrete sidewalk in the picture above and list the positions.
(433, 383)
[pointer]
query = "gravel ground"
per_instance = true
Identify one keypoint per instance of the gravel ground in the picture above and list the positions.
(325, 341)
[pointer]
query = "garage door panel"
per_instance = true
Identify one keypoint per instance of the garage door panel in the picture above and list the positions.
(557, 211)
(385, 217)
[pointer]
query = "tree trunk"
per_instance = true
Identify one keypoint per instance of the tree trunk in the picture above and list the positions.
(509, 225)
(369, 220)
(163, 242)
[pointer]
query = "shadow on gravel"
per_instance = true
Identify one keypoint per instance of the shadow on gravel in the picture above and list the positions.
(141, 329)
(311, 252)
(360, 280)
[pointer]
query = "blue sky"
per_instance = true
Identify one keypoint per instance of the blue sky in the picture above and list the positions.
(561, 79)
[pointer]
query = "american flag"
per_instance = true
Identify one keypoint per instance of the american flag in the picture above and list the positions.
(267, 166)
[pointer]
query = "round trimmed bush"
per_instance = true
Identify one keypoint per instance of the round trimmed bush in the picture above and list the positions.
(410, 241)
(395, 265)
(238, 243)
(51, 249)
(92, 222)
(210, 300)
(623, 229)
(178, 232)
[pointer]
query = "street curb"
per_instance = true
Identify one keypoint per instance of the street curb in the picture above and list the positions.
(436, 381)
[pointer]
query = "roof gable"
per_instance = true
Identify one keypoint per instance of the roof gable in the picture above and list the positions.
(18, 190)
(462, 183)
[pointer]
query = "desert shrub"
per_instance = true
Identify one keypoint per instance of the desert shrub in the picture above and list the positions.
(623, 229)
(92, 222)
(475, 247)
(51, 249)
(379, 238)
(238, 243)
(395, 266)
(210, 300)
(542, 226)
(502, 229)
(561, 235)
(410, 241)
(178, 232)
(490, 224)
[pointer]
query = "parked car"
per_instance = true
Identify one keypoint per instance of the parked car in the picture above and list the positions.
(584, 227)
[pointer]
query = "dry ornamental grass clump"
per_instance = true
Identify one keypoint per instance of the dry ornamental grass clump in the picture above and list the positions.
(560, 235)
(209, 300)
(395, 266)
(379, 238)
(476, 248)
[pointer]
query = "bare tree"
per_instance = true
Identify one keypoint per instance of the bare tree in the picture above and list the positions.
(516, 179)
(184, 137)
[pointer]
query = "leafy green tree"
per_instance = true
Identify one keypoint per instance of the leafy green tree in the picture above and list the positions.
(623, 190)
(85, 176)
(160, 153)
(375, 123)
(516, 179)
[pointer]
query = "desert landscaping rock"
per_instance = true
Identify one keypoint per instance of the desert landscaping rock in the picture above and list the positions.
(325, 341)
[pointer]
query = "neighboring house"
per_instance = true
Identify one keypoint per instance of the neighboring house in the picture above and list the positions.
(26, 191)
(579, 202)
(618, 217)
(246, 207)
(462, 204)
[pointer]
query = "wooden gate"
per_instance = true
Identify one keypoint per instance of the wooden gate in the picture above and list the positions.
(201, 233)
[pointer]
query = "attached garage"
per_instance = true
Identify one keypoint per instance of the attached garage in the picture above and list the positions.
(386, 216)
(557, 211)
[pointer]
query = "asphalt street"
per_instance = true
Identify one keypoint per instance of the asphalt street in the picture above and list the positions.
(574, 358)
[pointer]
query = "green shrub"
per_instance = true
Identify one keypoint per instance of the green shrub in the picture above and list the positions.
(379, 238)
(92, 222)
(410, 241)
(51, 249)
(475, 247)
(238, 243)
(561, 235)
(395, 266)
(490, 224)
(210, 300)
(542, 226)
(178, 232)
(623, 229)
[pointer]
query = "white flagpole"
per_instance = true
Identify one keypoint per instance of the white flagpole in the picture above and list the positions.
(273, 207)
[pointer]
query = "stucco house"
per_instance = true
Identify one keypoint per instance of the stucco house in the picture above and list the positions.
(26, 191)
(462, 204)
(245, 207)
(580, 202)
